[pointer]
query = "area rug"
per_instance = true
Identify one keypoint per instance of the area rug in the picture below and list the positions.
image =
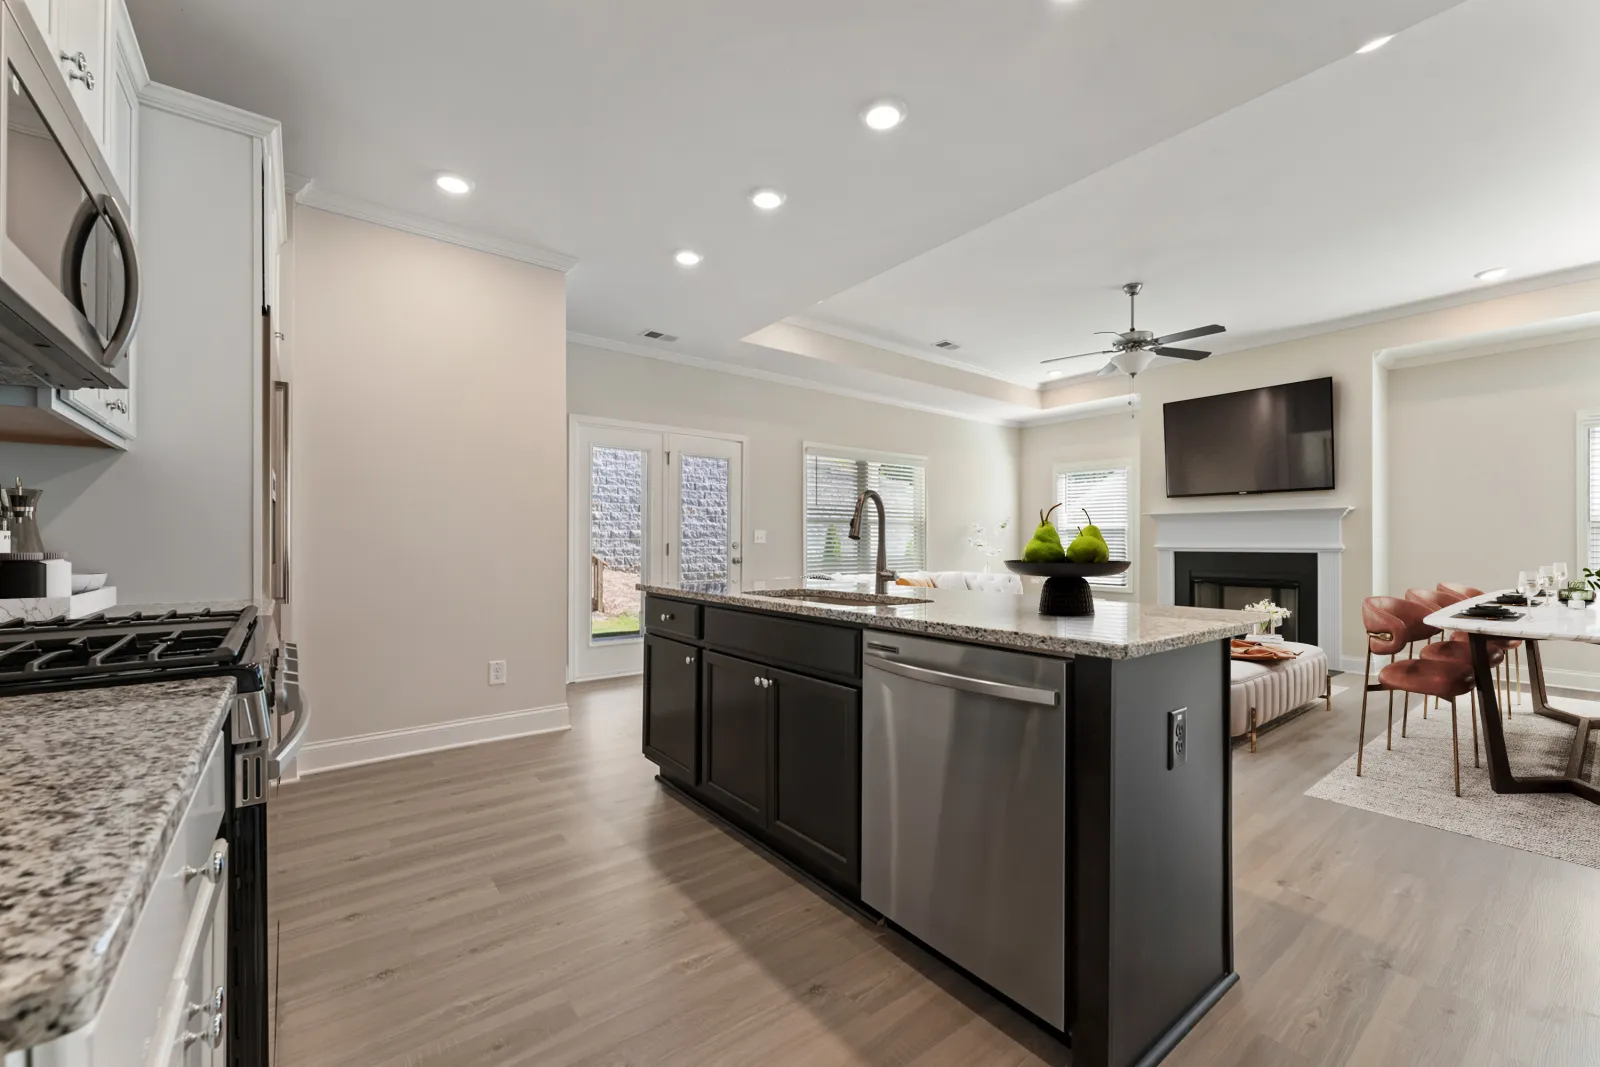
(1414, 782)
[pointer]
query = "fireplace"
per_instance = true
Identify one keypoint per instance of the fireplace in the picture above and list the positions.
(1233, 579)
(1296, 546)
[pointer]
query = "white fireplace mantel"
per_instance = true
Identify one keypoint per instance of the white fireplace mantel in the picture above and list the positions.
(1316, 529)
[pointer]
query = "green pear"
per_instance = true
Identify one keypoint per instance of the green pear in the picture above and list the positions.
(1045, 545)
(1089, 546)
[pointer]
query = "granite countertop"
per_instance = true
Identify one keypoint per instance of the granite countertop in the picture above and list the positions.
(93, 785)
(1117, 630)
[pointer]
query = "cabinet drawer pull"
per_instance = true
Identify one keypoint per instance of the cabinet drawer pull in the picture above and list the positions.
(212, 871)
(215, 1006)
(211, 1035)
(666, 616)
(80, 61)
(689, 660)
(84, 76)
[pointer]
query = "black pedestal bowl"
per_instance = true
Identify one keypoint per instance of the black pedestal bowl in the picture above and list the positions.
(1065, 591)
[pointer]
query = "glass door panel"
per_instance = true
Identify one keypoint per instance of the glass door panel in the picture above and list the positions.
(616, 540)
(705, 478)
(616, 534)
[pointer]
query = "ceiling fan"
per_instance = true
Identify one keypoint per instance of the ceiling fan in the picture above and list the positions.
(1134, 350)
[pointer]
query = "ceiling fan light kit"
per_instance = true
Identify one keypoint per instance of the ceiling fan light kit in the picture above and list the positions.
(1134, 349)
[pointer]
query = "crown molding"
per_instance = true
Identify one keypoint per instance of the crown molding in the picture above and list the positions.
(314, 196)
(1087, 409)
(1543, 334)
(177, 102)
(844, 333)
(701, 363)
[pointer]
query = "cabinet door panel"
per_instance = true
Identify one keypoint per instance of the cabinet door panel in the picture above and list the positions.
(816, 774)
(734, 704)
(672, 706)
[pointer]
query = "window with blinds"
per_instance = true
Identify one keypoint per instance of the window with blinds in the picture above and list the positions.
(1106, 493)
(834, 480)
(1589, 486)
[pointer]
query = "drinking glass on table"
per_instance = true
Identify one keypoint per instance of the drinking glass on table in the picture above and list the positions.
(1547, 580)
(1559, 573)
(1524, 586)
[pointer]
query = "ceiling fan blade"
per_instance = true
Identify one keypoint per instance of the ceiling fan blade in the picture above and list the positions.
(1189, 335)
(1080, 355)
(1180, 353)
(1108, 370)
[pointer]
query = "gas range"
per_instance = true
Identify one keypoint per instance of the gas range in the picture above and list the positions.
(114, 650)
(106, 650)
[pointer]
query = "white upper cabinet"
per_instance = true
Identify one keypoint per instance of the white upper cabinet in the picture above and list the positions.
(81, 49)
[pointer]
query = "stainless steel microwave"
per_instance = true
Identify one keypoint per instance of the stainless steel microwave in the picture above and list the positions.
(69, 272)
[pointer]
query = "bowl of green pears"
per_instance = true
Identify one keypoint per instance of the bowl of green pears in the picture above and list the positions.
(1065, 567)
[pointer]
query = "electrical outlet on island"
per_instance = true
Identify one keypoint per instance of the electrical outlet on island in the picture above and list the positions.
(497, 672)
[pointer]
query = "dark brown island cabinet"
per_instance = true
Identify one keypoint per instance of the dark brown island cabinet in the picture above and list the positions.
(754, 712)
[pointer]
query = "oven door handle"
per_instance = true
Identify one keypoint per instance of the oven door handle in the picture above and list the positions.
(289, 747)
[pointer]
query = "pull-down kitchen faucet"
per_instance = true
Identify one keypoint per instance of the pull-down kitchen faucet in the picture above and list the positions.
(884, 575)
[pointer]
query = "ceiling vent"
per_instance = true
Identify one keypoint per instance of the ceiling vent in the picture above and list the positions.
(948, 346)
(657, 335)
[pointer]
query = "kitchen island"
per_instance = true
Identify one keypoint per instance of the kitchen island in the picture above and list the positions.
(1044, 801)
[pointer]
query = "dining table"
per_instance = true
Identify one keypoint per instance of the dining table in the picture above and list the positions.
(1545, 619)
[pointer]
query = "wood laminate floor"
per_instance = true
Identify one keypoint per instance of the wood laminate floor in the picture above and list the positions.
(544, 902)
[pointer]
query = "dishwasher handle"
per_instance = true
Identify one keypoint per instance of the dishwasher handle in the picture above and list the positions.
(1021, 693)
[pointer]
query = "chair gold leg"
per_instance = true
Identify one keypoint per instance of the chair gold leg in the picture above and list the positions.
(1361, 739)
(1405, 711)
(1517, 654)
(1455, 744)
(1252, 729)
(1327, 694)
(1475, 762)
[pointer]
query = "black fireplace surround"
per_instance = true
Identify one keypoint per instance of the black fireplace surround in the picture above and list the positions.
(1281, 576)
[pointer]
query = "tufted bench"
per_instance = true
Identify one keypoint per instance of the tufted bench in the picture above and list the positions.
(1266, 691)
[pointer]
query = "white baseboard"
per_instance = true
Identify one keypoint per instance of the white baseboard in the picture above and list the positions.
(319, 756)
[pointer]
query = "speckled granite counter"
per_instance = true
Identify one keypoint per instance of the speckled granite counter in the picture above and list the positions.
(1117, 630)
(93, 785)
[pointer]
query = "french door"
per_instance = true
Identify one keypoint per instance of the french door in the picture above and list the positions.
(651, 505)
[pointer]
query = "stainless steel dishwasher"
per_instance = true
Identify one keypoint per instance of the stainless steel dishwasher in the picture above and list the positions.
(964, 808)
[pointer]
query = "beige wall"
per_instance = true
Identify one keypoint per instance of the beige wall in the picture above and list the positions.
(1484, 472)
(431, 495)
(972, 466)
(1346, 355)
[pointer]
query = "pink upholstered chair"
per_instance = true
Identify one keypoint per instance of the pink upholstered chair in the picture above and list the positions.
(1393, 624)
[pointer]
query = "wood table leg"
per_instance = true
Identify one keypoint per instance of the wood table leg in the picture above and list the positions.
(1494, 738)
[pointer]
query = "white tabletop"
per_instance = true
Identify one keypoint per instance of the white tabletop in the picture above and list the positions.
(1547, 621)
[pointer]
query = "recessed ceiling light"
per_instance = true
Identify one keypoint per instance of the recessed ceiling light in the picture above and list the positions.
(454, 184)
(883, 115)
(1493, 274)
(688, 258)
(1374, 45)
(767, 199)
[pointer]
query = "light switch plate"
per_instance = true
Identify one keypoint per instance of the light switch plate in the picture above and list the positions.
(761, 537)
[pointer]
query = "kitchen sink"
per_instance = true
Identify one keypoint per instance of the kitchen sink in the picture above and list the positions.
(839, 596)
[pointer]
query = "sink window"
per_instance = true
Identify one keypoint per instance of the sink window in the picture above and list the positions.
(834, 479)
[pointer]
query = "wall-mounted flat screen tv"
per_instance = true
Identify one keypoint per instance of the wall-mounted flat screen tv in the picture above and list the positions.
(1273, 440)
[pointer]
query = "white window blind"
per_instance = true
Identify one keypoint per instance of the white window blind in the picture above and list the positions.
(1589, 486)
(1105, 493)
(834, 480)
